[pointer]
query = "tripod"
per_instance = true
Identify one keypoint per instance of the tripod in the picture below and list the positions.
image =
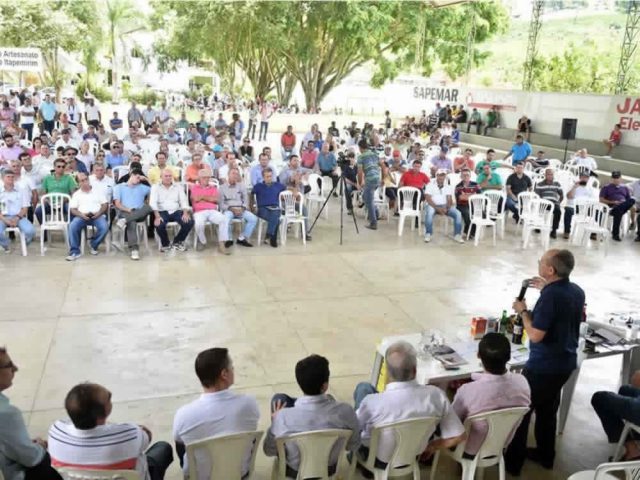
(343, 190)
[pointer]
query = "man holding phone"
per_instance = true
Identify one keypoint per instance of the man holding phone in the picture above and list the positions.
(579, 190)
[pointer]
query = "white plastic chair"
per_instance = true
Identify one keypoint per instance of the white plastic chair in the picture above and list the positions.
(141, 227)
(620, 447)
(453, 179)
(479, 206)
(381, 201)
(57, 219)
(524, 198)
(597, 225)
(88, 474)
(498, 202)
(408, 436)
(582, 208)
(538, 217)
(226, 455)
(501, 423)
(327, 186)
(555, 164)
(315, 195)
(407, 197)
(315, 449)
(594, 183)
(631, 471)
(23, 244)
(291, 205)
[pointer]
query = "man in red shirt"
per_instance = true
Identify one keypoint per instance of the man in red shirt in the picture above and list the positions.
(464, 161)
(415, 177)
(288, 143)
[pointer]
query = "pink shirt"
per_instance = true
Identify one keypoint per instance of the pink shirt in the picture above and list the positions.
(489, 392)
(308, 158)
(198, 189)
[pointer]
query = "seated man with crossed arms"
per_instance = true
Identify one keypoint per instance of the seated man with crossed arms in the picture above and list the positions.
(205, 200)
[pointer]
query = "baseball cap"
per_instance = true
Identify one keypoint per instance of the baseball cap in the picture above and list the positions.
(217, 148)
(616, 174)
(441, 171)
(71, 149)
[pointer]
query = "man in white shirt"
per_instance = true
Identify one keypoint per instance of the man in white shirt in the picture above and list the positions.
(582, 159)
(163, 117)
(15, 204)
(73, 112)
(439, 200)
(67, 140)
(34, 174)
(149, 116)
(580, 190)
(404, 399)
(92, 113)
(88, 441)
(44, 162)
(87, 207)
(218, 411)
(315, 410)
(101, 182)
(169, 204)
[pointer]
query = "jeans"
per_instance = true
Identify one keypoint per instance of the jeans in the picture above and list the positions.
(185, 227)
(452, 212)
(29, 128)
(362, 390)
(613, 409)
(556, 217)
(264, 126)
(159, 457)
(76, 227)
(273, 220)
(368, 199)
(568, 216)
(466, 218)
(250, 222)
(251, 131)
(618, 212)
(349, 189)
(329, 173)
(545, 400)
(132, 219)
(48, 125)
(25, 226)
(477, 123)
(512, 206)
(213, 216)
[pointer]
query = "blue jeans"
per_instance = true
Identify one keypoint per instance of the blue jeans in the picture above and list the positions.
(512, 206)
(362, 390)
(451, 212)
(25, 226)
(185, 227)
(368, 199)
(273, 219)
(250, 222)
(613, 409)
(76, 227)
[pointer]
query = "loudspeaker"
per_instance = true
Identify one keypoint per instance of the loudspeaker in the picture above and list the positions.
(569, 126)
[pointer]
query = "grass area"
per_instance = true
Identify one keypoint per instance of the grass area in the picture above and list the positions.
(507, 52)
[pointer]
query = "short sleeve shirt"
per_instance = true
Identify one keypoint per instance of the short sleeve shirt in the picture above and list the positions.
(494, 181)
(370, 165)
(65, 184)
(518, 185)
(131, 196)
(439, 194)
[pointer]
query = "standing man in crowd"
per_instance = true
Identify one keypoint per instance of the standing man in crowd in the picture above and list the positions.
(553, 329)
(92, 114)
(369, 174)
(519, 152)
(48, 112)
(133, 115)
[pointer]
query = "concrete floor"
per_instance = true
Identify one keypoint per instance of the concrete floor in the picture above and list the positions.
(136, 326)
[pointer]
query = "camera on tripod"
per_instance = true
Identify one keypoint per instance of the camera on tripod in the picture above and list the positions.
(343, 161)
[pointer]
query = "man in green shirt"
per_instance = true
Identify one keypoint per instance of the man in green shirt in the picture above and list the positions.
(57, 182)
(369, 176)
(490, 160)
(183, 122)
(493, 119)
(488, 179)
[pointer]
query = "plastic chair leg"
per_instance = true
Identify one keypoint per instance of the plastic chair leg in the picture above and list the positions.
(42, 242)
(501, 470)
(400, 225)
(494, 238)
(434, 465)
(23, 245)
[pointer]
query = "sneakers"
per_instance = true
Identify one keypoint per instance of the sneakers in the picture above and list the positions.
(566, 235)
(73, 257)
(223, 250)
(427, 238)
(244, 243)
(122, 223)
(458, 238)
(166, 249)
(135, 255)
(307, 236)
(94, 252)
(372, 226)
(553, 234)
(180, 247)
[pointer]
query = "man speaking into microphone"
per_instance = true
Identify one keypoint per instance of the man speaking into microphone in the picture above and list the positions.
(553, 328)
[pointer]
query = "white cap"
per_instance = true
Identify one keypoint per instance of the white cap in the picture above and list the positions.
(442, 171)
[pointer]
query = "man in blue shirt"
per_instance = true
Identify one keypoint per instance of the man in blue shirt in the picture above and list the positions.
(267, 195)
(130, 201)
(115, 157)
(256, 171)
(520, 151)
(48, 113)
(553, 329)
(327, 164)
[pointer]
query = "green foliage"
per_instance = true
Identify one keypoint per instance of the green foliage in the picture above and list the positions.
(207, 90)
(142, 97)
(99, 92)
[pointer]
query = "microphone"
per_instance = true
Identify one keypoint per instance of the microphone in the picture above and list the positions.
(523, 289)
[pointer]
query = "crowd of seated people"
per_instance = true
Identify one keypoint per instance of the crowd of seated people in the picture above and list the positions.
(145, 175)
(88, 439)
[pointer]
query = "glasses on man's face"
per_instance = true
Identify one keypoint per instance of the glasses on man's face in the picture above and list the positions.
(10, 365)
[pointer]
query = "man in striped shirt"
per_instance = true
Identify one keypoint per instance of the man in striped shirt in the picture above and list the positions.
(89, 442)
(552, 191)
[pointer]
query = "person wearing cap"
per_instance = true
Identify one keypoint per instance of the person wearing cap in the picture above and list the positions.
(439, 200)
(205, 200)
(580, 190)
(15, 205)
(618, 197)
(520, 150)
(441, 161)
(88, 207)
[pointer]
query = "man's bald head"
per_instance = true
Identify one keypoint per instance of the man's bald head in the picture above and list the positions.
(401, 360)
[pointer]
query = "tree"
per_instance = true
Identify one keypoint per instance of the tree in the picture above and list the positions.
(122, 19)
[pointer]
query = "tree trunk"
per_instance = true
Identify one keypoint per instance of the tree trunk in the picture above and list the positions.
(114, 68)
(285, 90)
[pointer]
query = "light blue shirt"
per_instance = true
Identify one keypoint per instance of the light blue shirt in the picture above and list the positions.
(327, 161)
(12, 201)
(48, 111)
(520, 152)
(114, 160)
(17, 451)
(256, 173)
(131, 196)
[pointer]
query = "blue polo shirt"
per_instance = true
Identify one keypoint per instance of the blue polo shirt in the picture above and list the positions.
(114, 160)
(131, 196)
(268, 195)
(327, 161)
(48, 111)
(558, 312)
(519, 153)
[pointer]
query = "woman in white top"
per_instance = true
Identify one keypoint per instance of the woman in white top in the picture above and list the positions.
(27, 115)
(86, 155)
